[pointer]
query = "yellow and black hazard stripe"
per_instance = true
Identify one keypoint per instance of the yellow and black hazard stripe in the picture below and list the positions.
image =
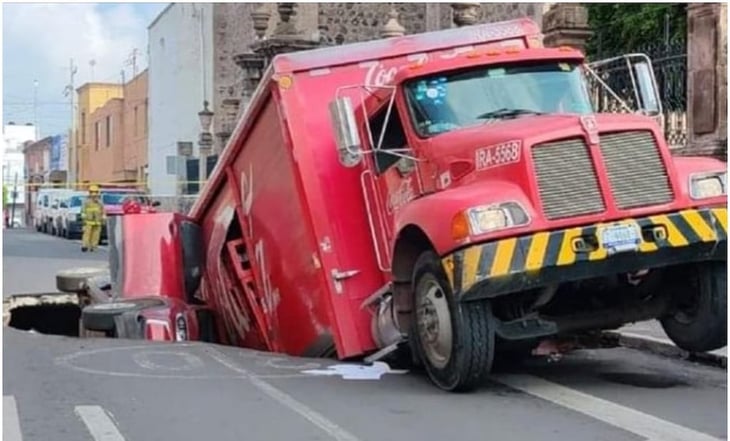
(531, 255)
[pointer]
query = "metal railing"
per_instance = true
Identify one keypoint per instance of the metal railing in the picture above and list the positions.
(669, 61)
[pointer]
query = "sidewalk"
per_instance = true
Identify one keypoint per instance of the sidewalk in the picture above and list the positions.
(650, 336)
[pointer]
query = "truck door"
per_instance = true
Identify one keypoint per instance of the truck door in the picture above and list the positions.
(390, 181)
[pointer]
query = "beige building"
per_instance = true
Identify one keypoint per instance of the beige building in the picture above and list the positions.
(113, 137)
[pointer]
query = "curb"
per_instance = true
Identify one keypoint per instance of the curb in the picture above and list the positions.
(666, 348)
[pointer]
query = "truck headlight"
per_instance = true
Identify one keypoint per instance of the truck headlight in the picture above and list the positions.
(708, 185)
(483, 219)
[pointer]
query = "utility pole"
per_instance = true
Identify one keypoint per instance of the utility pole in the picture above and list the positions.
(35, 109)
(132, 61)
(70, 91)
(15, 196)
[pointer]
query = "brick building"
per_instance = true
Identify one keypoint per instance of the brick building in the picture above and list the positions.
(115, 137)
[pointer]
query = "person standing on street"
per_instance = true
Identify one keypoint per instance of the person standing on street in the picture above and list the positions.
(92, 214)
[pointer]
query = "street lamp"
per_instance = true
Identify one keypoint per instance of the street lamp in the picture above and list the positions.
(205, 142)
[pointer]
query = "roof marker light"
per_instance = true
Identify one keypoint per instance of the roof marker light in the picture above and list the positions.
(285, 81)
(493, 52)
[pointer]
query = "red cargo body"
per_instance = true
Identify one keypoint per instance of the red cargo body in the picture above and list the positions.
(307, 226)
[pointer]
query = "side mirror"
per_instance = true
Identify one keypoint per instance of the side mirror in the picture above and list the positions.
(156, 203)
(647, 94)
(347, 137)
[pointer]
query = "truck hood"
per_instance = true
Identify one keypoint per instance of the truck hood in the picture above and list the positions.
(533, 128)
(481, 149)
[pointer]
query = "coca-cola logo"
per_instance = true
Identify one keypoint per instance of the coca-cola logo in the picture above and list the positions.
(401, 196)
(379, 75)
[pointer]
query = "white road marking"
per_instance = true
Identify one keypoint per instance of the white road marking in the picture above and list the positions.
(100, 425)
(631, 420)
(287, 400)
(11, 423)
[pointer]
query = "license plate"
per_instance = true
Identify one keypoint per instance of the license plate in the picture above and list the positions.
(620, 238)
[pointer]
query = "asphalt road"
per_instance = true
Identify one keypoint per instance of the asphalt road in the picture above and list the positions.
(68, 389)
(31, 260)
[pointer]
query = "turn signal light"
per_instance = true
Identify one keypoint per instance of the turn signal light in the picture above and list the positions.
(459, 227)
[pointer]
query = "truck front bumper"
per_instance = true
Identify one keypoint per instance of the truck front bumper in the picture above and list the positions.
(520, 263)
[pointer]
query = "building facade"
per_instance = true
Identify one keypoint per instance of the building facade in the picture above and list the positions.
(180, 43)
(90, 96)
(37, 161)
(116, 146)
(14, 172)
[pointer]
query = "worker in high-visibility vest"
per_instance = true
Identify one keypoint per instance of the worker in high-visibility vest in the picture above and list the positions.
(92, 214)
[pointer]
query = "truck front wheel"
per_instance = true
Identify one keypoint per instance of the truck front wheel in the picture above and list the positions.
(454, 340)
(698, 321)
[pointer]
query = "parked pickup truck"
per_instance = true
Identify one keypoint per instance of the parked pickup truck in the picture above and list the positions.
(449, 195)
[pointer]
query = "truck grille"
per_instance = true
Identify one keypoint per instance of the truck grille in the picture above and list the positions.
(635, 170)
(566, 179)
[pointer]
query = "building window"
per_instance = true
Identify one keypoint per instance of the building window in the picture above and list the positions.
(108, 130)
(97, 135)
(83, 128)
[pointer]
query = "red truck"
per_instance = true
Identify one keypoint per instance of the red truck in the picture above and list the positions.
(449, 195)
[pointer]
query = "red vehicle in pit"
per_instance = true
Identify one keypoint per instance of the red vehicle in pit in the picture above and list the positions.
(449, 195)
(121, 200)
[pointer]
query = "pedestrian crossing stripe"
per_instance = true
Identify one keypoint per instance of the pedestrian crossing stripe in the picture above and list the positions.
(562, 248)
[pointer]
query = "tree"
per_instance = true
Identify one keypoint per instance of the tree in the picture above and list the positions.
(623, 27)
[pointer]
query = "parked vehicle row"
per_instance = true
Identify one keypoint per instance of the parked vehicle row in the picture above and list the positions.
(57, 211)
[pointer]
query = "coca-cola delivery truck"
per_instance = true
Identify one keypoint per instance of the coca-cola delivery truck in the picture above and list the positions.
(453, 195)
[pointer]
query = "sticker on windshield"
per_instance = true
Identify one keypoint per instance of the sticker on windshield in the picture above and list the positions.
(433, 90)
(498, 155)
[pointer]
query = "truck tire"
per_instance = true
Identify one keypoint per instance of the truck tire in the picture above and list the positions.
(74, 280)
(102, 316)
(699, 321)
(454, 341)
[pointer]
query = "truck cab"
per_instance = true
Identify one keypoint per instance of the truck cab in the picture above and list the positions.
(496, 191)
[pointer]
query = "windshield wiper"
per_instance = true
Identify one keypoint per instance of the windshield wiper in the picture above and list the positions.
(507, 113)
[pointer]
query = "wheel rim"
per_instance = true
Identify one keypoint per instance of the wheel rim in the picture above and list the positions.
(434, 324)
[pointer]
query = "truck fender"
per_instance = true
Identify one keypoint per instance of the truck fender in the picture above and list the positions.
(433, 214)
(686, 166)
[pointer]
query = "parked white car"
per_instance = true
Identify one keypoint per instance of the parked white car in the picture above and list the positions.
(70, 225)
(47, 206)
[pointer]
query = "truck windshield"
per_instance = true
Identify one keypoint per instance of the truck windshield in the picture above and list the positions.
(444, 102)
